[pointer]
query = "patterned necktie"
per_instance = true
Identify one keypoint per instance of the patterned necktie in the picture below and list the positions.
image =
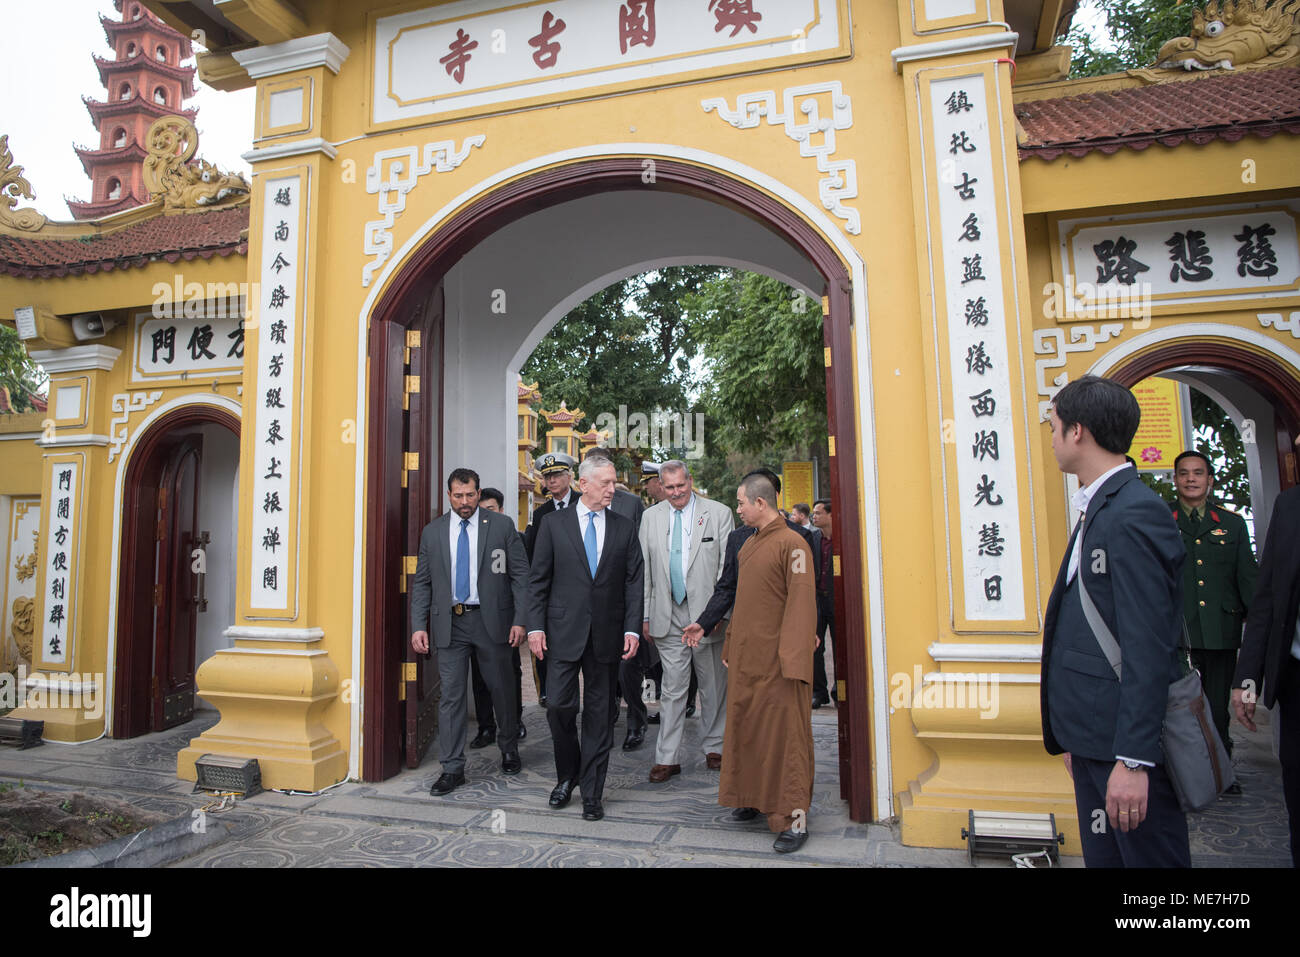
(675, 574)
(559, 505)
(590, 541)
(462, 563)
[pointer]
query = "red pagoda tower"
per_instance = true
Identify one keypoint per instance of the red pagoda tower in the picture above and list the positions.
(144, 80)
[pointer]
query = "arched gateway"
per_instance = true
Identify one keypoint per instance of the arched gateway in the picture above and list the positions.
(434, 185)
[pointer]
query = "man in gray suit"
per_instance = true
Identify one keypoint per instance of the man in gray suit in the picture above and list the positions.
(470, 587)
(683, 545)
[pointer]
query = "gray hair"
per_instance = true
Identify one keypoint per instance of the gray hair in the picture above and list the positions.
(591, 463)
(674, 465)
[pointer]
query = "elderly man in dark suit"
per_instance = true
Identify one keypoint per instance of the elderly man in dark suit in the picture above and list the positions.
(1122, 572)
(1270, 650)
(471, 589)
(584, 615)
(556, 469)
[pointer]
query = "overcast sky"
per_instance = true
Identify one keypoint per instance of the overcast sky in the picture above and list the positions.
(45, 52)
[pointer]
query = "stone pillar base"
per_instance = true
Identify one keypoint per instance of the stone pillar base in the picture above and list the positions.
(992, 763)
(271, 701)
(62, 724)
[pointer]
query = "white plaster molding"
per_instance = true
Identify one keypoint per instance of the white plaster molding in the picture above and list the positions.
(1289, 324)
(124, 403)
(81, 438)
(1197, 332)
(260, 633)
(987, 651)
(377, 240)
(839, 179)
(980, 677)
(276, 151)
(76, 358)
(300, 53)
(302, 653)
(11, 436)
(52, 683)
(938, 48)
(1051, 343)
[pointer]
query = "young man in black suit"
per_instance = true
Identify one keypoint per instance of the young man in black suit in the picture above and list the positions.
(1270, 650)
(585, 603)
(1126, 557)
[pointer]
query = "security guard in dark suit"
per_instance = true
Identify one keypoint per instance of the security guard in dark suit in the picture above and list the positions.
(1218, 581)
(557, 475)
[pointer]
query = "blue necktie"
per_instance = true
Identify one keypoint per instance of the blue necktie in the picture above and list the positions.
(462, 563)
(675, 576)
(590, 541)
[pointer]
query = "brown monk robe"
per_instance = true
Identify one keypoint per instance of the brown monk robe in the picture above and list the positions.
(769, 656)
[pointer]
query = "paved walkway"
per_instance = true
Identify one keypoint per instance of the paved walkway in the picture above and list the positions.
(500, 821)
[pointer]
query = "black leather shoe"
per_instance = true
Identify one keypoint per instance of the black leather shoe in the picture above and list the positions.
(483, 739)
(653, 719)
(1233, 788)
(510, 763)
(542, 701)
(563, 791)
(690, 710)
(523, 732)
(818, 700)
(788, 841)
(592, 811)
(742, 814)
(634, 739)
(446, 783)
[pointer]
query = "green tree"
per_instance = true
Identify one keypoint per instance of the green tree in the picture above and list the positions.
(18, 373)
(1136, 29)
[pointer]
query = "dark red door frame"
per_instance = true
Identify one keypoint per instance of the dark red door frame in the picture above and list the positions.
(133, 668)
(401, 304)
(1267, 375)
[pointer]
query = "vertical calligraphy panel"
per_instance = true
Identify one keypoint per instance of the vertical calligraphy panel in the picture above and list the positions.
(980, 381)
(277, 428)
(60, 562)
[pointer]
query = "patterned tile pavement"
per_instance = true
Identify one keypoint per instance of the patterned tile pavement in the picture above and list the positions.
(497, 821)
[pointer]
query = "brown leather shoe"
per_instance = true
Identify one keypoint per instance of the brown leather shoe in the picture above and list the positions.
(662, 772)
(714, 760)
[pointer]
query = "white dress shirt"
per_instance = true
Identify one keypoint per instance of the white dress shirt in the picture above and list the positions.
(565, 502)
(1081, 500)
(688, 522)
(473, 554)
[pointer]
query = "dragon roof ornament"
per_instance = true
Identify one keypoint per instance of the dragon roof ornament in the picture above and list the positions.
(14, 186)
(170, 175)
(1236, 34)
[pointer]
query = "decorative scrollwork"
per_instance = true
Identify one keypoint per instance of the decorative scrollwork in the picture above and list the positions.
(14, 186)
(124, 403)
(1051, 343)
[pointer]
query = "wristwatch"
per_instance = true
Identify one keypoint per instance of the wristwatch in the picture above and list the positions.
(1133, 765)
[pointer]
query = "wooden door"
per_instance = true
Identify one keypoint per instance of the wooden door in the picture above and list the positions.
(176, 583)
(422, 502)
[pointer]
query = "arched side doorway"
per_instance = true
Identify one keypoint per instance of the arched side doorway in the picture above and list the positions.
(166, 515)
(399, 499)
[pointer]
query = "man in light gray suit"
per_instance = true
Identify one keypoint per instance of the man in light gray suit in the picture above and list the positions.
(683, 545)
(470, 588)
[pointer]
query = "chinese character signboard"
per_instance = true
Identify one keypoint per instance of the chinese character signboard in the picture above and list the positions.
(1164, 430)
(459, 58)
(1221, 254)
(208, 343)
(981, 442)
(272, 562)
(59, 557)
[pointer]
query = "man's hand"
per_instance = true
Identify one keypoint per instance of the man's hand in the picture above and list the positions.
(629, 646)
(517, 635)
(645, 630)
(692, 635)
(1126, 797)
(537, 644)
(818, 645)
(1244, 709)
(1069, 765)
(420, 642)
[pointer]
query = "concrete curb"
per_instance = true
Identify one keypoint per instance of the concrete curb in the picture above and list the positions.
(153, 847)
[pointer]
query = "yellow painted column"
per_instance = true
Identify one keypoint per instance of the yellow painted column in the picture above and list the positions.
(278, 687)
(974, 699)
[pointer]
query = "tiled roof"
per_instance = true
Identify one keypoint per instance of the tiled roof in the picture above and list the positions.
(1228, 107)
(169, 238)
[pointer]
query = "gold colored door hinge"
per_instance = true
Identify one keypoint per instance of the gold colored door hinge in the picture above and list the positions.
(828, 357)
(411, 562)
(410, 670)
(826, 305)
(412, 384)
(412, 338)
(830, 443)
(835, 565)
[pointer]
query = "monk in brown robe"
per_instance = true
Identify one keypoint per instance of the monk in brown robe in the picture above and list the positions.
(768, 763)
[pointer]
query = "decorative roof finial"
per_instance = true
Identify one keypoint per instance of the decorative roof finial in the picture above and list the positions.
(14, 186)
(172, 142)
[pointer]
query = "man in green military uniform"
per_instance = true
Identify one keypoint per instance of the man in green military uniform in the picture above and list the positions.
(1218, 581)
